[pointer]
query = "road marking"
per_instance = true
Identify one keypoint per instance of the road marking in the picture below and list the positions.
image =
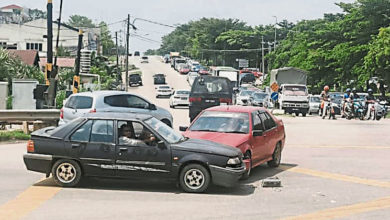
(343, 211)
(27, 201)
(339, 146)
(336, 176)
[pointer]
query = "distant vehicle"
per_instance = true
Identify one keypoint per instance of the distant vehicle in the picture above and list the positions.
(243, 97)
(314, 103)
(194, 66)
(179, 97)
(135, 79)
(208, 91)
(136, 53)
(261, 99)
(184, 69)
(177, 62)
(337, 99)
(203, 70)
(82, 103)
(255, 71)
(164, 91)
(144, 59)
(191, 77)
(247, 78)
(254, 130)
(166, 58)
(159, 78)
(130, 146)
(228, 72)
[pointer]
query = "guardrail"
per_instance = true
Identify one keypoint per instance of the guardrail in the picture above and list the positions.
(47, 117)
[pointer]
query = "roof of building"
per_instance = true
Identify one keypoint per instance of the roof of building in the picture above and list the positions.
(29, 57)
(61, 62)
(11, 7)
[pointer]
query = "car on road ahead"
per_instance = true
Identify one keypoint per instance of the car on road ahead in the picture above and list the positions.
(164, 91)
(144, 59)
(244, 97)
(191, 77)
(135, 79)
(314, 104)
(179, 97)
(123, 145)
(82, 103)
(254, 130)
(261, 99)
(159, 78)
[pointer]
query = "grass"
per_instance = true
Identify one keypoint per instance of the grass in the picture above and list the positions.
(388, 116)
(13, 135)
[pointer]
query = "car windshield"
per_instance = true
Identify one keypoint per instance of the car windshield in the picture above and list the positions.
(183, 92)
(165, 131)
(315, 99)
(159, 75)
(295, 91)
(246, 93)
(219, 85)
(164, 87)
(226, 122)
(260, 96)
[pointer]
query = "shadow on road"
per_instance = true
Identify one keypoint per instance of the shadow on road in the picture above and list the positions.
(243, 188)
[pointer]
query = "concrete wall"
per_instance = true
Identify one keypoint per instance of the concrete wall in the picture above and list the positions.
(3, 95)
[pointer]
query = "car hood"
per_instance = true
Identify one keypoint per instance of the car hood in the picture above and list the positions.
(230, 139)
(205, 146)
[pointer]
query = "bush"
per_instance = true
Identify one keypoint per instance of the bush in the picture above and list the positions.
(13, 135)
(9, 102)
(60, 98)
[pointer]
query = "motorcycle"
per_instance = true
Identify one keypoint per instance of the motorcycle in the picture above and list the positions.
(384, 105)
(355, 109)
(329, 109)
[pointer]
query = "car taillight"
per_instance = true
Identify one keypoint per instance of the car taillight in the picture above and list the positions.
(62, 113)
(30, 146)
(92, 111)
(225, 100)
(195, 99)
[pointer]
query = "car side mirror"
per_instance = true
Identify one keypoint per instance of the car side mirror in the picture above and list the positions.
(257, 133)
(161, 145)
(152, 107)
(183, 128)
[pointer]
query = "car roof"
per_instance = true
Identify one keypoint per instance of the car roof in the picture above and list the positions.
(102, 92)
(117, 116)
(235, 108)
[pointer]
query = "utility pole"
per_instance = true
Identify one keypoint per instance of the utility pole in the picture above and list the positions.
(76, 77)
(50, 80)
(118, 70)
(269, 61)
(262, 56)
(276, 23)
(127, 52)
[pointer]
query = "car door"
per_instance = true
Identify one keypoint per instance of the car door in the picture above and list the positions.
(142, 157)
(93, 144)
(270, 133)
(259, 145)
(128, 103)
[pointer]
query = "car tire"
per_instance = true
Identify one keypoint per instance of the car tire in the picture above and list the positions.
(66, 173)
(194, 178)
(297, 114)
(247, 173)
(276, 156)
(304, 114)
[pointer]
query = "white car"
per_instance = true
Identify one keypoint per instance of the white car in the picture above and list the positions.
(164, 91)
(144, 59)
(191, 77)
(243, 98)
(179, 97)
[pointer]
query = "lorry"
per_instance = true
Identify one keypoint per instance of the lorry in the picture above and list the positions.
(293, 95)
(225, 71)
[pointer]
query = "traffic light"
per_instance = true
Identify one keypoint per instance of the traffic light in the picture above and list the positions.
(76, 84)
(48, 69)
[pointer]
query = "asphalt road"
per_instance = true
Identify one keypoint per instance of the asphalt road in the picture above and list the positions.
(331, 169)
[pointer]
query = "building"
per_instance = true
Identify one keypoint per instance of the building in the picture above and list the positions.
(13, 14)
(29, 36)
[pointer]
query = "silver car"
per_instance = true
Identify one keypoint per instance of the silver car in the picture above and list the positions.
(314, 104)
(243, 98)
(79, 104)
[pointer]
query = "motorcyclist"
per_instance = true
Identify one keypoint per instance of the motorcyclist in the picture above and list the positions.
(370, 101)
(345, 100)
(353, 96)
(325, 100)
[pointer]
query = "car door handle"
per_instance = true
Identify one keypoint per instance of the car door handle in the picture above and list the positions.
(123, 149)
(75, 146)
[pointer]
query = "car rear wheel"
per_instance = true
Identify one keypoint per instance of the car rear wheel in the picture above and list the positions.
(194, 178)
(247, 156)
(276, 156)
(66, 173)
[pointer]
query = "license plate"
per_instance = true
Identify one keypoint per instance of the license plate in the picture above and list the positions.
(209, 101)
(183, 98)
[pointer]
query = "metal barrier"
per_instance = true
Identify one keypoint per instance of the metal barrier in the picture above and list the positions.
(39, 118)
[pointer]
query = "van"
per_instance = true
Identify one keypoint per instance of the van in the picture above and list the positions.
(209, 91)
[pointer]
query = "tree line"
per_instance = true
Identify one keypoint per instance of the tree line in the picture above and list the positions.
(341, 50)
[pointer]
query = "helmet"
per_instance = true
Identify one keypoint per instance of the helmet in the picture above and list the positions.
(354, 90)
(348, 90)
(326, 88)
(369, 91)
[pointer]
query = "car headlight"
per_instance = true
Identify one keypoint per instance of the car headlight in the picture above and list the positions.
(234, 161)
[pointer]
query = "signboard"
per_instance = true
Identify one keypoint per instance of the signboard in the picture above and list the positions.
(274, 96)
(243, 63)
(274, 87)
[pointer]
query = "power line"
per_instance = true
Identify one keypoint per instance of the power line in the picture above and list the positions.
(155, 22)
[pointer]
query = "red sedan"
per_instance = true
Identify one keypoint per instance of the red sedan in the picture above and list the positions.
(254, 130)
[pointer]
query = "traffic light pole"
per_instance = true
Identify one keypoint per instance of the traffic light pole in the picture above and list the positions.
(76, 77)
(127, 53)
(49, 72)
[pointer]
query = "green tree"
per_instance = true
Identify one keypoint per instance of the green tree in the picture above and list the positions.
(80, 21)
(106, 40)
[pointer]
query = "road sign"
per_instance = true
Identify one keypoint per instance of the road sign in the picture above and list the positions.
(274, 96)
(274, 87)
(243, 63)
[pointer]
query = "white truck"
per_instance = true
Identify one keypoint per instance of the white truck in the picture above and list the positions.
(225, 71)
(293, 94)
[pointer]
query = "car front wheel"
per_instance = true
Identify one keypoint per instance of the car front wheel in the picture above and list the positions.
(66, 173)
(194, 178)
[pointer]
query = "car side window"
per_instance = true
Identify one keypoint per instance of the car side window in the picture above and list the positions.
(257, 124)
(82, 134)
(102, 131)
(135, 134)
(116, 100)
(79, 102)
(136, 102)
(271, 121)
(70, 103)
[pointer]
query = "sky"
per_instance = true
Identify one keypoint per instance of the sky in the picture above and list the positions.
(175, 12)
